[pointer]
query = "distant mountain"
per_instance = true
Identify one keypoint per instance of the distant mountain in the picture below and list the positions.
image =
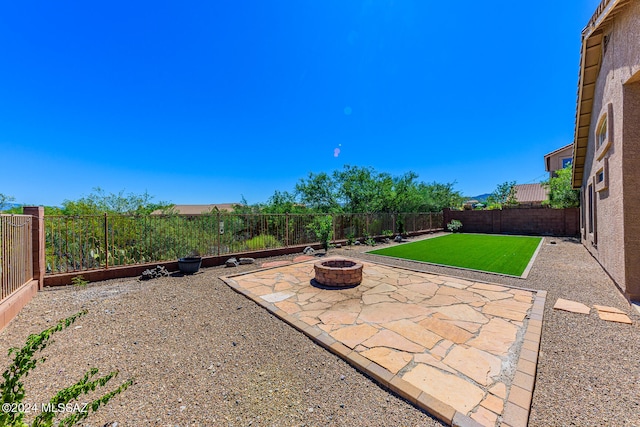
(480, 198)
(8, 206)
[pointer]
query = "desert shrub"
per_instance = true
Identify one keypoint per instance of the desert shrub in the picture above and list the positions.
(79, 281)
(264, 241)
(322, 228)
(367, 239)
(351, 238)
(454, 226)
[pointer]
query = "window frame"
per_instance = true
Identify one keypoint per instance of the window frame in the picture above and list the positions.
(603, 171)
(604, 132)
(593, 212)
(601, 132)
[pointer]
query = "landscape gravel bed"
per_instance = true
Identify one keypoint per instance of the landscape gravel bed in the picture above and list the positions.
(203, 355)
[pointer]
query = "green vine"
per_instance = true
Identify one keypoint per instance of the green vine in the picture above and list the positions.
(13, 392)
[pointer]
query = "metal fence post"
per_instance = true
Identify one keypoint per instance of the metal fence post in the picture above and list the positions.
(219, 232)
(106, 241)
(367, 224)
(286, 229)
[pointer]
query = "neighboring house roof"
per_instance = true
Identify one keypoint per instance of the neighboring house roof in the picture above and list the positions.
(590, 57)
(199, 209)
(547, 157)
(530, 193)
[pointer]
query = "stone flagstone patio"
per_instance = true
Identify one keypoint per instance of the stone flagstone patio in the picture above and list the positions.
(464, 351)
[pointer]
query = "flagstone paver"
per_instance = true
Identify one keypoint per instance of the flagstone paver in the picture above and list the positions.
(441, 342)
(494, 403)
(496, 337)
(608, 309)
(393, 360)
(351, 336)
(476, 364)
(484, 416)
(463, 312)
(278, 296)
(390, 311)
(446, 330)
(390, 339)
(500, 390)
(571, 306)
(450, 389)
(275, 264)
(614, 317)
(414, 332)
(612, 314)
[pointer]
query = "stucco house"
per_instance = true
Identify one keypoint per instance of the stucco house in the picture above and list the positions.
(558, 159)
(606, 146)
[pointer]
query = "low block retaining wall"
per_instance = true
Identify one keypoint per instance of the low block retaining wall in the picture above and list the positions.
(11, 306)
(64, 279)
(532, 221)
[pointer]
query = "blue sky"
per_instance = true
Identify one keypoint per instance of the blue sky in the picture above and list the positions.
(208, 101)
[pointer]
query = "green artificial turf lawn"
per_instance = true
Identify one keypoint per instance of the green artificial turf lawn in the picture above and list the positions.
(493, 253)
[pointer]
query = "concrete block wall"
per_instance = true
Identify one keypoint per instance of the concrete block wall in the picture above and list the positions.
(533, 221)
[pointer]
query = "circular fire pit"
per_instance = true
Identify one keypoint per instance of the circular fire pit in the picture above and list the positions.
(338, 273)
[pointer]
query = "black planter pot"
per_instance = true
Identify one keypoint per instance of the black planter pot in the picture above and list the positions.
(189, 265)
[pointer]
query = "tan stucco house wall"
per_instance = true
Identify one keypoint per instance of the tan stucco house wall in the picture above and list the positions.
(558, 159)
(606, 148)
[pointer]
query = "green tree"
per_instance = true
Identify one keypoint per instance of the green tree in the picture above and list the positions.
(5, 201)
(318, 193)
(438, 196)
(405, 194)
(99, 202)
(561, 193)
(504, 194)
(362, 189)
(282, 202)
(245, 208)
(356, 189)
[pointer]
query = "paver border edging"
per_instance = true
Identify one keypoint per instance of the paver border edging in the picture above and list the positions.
(518, 407)
(518, 403)
(529, 266)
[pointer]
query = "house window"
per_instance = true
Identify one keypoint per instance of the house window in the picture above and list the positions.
(566, 161)
(602, 176)
(604, 133)
(601, 134)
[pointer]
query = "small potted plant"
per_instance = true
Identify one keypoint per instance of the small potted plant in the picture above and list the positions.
(191, 263)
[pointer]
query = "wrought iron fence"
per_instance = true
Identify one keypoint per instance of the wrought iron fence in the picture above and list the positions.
(16, 255)
(90, 242)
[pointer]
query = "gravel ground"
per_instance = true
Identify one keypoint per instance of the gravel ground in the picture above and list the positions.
(203, 355)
